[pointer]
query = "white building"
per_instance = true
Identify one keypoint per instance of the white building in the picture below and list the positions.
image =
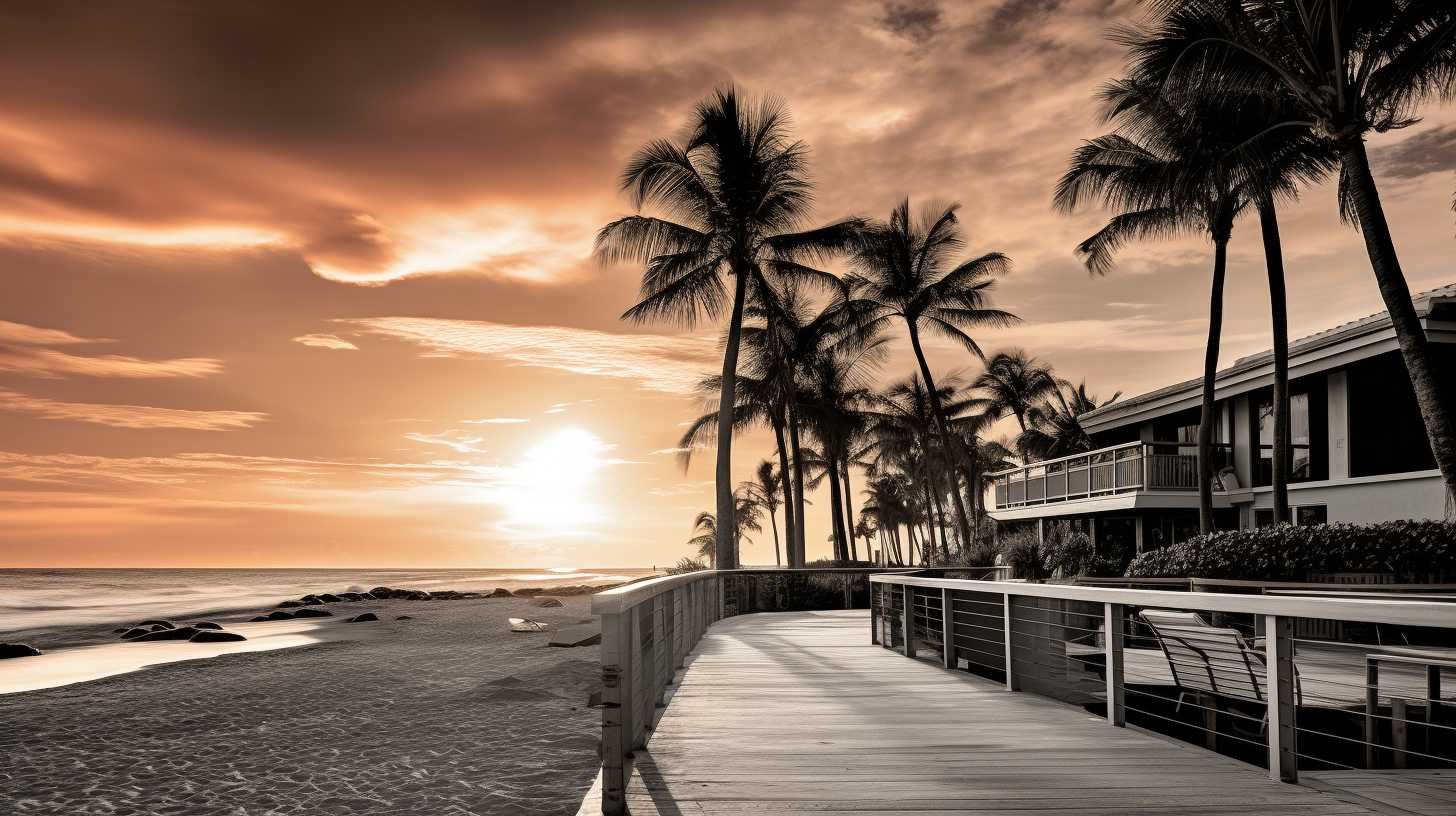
(1359, 453)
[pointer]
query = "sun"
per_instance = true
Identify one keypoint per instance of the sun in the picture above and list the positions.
(552, 490)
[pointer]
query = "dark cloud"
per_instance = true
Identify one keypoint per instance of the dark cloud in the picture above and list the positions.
(917, 23)
(1013, 14)
(1428, 150)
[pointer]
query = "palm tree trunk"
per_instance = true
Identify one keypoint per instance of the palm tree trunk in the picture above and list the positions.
(773, 524)
(1433, 394)
(778, 426)
(848, 511)
(841, 552)
(726, 554)
(910, 537)
(951, 443)
(798, 552)
(1279, 320)
(1210, 368)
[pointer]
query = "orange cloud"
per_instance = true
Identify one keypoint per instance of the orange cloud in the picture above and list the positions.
(24, 349)
(128, 416)
(671, 364)
(326, 341)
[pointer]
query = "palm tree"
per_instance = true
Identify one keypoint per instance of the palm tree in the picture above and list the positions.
(706, 528)
(903, 269)
(1053, 428)
(1347, 70)
(732, 192)
(1167, 174)
(1014, 382)
(763, 490)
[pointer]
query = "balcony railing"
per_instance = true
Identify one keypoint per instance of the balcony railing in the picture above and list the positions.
(1129, 468)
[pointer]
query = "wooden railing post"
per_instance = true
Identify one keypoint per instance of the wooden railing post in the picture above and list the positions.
(908, 621)
(1279, 672)
(947, 630)
(618, 716)
(1112, 635)
(1006, 630)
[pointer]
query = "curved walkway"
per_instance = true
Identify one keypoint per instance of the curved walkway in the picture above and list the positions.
(798, 712)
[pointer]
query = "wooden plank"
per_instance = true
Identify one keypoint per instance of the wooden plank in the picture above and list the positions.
(799, 712)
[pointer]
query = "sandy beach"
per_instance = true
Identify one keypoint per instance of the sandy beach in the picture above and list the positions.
(447, 713)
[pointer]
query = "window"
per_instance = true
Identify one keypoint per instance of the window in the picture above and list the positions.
(1303, 515)
(1308, 453)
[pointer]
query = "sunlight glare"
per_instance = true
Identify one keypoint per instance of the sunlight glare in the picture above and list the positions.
(552, 494)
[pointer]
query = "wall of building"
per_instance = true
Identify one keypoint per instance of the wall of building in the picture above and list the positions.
(1370, 499)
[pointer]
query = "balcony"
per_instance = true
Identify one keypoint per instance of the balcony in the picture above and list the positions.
(1135, 467)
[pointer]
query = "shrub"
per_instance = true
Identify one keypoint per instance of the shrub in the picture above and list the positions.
(1413, 550)
(687, 565)
(1024, 554)
(1070, 552)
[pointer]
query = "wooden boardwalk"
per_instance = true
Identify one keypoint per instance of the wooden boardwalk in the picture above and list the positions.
(798, 712)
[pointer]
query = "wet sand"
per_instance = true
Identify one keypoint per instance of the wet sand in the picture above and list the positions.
(448, 713)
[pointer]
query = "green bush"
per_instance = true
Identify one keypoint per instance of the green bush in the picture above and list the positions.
(1413, 551)
(1024, 554)
(684, 565)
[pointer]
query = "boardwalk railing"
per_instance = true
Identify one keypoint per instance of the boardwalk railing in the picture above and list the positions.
(649, 627)
(1236, 677)
(1128, 468)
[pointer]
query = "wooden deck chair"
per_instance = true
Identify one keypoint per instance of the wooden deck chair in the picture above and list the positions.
(1211, 661)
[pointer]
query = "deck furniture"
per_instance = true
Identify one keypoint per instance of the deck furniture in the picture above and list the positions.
(1433, 662)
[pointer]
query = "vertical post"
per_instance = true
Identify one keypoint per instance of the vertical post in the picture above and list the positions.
(1398, 731)
(907, 621)
(1279, 671)
(1112, 635)
(875, 603)
(617, 712)
(947, 630)
(1433, 702)
(1006, 632)
(1372, 705)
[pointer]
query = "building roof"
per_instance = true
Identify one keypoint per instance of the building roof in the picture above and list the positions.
(1423, 301)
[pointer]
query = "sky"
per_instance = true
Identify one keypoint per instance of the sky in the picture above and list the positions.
(312, 285)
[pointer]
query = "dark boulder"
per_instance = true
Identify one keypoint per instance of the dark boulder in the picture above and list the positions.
(121, 631)
(405, 617)
(136, 631)
(205, 625)
(165, 624)
(310, 612)
(547, 602)
(290, 604)
(311, 600)
(215, 636)
(279, 614)
(259, 619)
(9, 650)
(528, 592)
(364, 618)
(182, 633)
(381, 592)
(329, 597)
(500, 592)
(470, 595)
(351, 596)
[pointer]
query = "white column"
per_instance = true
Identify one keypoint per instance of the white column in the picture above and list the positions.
(1338, 393)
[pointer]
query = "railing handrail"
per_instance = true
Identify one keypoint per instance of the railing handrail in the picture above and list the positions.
(1151, 444)
(621, 598)
(1396, 612)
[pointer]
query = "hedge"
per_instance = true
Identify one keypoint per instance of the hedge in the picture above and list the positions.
(1413, 551)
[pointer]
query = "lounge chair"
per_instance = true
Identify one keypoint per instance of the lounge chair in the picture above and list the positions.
(1212, 662)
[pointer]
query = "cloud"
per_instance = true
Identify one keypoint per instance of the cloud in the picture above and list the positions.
(1137, 333)
(915, 22)
(669, 451)
(457, 441)
(326, 341)
(672, 364)
(495, 421)
(26, 349)
(140, 417)
(1426, 151)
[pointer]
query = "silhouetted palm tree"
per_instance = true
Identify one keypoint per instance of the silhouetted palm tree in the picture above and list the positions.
(1347, 69)
(763, 490)
(1013, 383)
(1053, 428)
(745, 518)
(905, 269)
(732, 192)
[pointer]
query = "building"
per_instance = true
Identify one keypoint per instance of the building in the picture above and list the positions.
(1359, 446)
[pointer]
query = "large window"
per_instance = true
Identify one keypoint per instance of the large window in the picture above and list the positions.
(1308, 454)
(1387, 434)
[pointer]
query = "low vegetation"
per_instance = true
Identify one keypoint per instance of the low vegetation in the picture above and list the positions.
(1412, 551)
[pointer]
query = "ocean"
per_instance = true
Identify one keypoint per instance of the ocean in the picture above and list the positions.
(44, 599)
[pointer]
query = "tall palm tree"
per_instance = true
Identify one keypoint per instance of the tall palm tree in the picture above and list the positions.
(731, 193)
(1347, 69)
(1170, 171)
(1014, 382)
(763, 489)
(1053, 428)
(904, 269)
